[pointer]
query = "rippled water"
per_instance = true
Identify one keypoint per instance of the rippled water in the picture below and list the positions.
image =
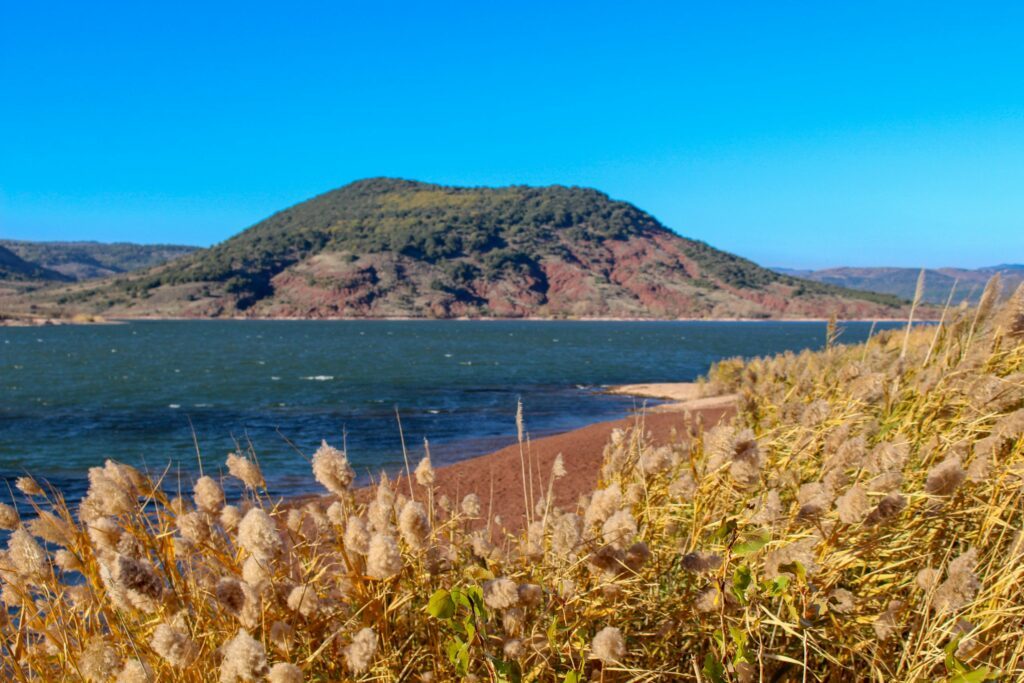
(139, 392)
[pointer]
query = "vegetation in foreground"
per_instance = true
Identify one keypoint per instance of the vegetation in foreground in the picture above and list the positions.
(860, 520)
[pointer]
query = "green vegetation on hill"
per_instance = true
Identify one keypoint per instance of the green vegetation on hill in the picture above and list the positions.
(508, 227)
(465, 234)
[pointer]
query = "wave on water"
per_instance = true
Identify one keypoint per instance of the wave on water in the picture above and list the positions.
(318, 378)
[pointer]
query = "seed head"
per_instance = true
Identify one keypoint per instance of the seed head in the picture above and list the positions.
(853, 506)
(608, 645)
(413, 524)
(425, 472)
(28, 486)
(27, 557)
(383, 560)
(245, 470)
(946, 477)
(303, 599)
(99, 661)
(258, 534)
(245, 659)
(360, 652)
(173, 645)
(283, 672)
(619, 530)
(501, 593)
(332, 470)
(558, 467)
(357, 536)
(208, 494)
(471, 506)
(135, 671)
(603, 504)
(9, 518)
(230, 517)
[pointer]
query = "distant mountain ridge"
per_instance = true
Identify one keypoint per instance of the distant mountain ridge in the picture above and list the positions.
(902, 282)
(78, 261)
(386, 247)
(14, 268)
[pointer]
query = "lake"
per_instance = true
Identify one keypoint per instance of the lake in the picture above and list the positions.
(149, 392)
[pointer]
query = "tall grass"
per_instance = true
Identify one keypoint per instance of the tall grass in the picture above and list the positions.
(860, 519)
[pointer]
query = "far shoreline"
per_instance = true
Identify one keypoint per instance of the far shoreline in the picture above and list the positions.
(126, 319)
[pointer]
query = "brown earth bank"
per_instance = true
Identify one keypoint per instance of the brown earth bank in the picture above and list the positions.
(497, 478)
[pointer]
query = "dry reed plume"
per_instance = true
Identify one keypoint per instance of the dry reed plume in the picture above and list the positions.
(859, 520)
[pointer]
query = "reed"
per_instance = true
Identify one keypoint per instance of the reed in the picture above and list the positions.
(859, 519)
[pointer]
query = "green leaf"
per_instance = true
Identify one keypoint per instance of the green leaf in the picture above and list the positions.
(741, 580)
(507, 671)
(719, 638)
(459, 598)
(976, 676)
(713, 669)
(475, 597)
(752, 544)
(953, 665)
(739, 636)
(571, 677)
(778, 585)
(452, 648)
(724, 530)
(459, 656)
(441, 605)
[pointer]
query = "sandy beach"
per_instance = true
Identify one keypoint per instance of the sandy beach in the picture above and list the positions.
(497, 477)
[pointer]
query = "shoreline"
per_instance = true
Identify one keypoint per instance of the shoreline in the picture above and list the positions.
(120, 320)
(497, 479)
(67, 322)
(45, 321)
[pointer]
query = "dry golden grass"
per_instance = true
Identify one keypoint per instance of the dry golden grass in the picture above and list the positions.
(860, 520)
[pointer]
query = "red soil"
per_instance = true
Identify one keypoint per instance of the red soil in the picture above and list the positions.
(497, 478)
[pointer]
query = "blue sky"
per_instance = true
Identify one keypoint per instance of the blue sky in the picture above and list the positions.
(800, 134)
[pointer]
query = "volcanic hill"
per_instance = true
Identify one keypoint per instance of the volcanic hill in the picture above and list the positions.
(385, 247)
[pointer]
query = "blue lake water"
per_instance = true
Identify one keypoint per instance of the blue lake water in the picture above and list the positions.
(139, 392)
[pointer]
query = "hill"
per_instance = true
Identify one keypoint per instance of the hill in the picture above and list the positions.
(901, 282)
(89, 260)
(16, 269)
(387, 247)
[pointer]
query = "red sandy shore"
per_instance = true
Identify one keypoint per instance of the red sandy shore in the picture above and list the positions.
(497, 477)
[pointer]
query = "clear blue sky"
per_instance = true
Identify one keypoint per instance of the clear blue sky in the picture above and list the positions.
(800, 134)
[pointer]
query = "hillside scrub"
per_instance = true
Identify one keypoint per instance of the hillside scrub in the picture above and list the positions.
(860, 519)
(386, 246)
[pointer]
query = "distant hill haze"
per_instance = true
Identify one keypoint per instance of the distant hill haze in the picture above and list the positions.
(77, 261)
(393, 248)
(14, 268)
(902, 282)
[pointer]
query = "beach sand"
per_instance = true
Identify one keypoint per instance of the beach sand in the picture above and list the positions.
(683, 396)
(497, 477)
